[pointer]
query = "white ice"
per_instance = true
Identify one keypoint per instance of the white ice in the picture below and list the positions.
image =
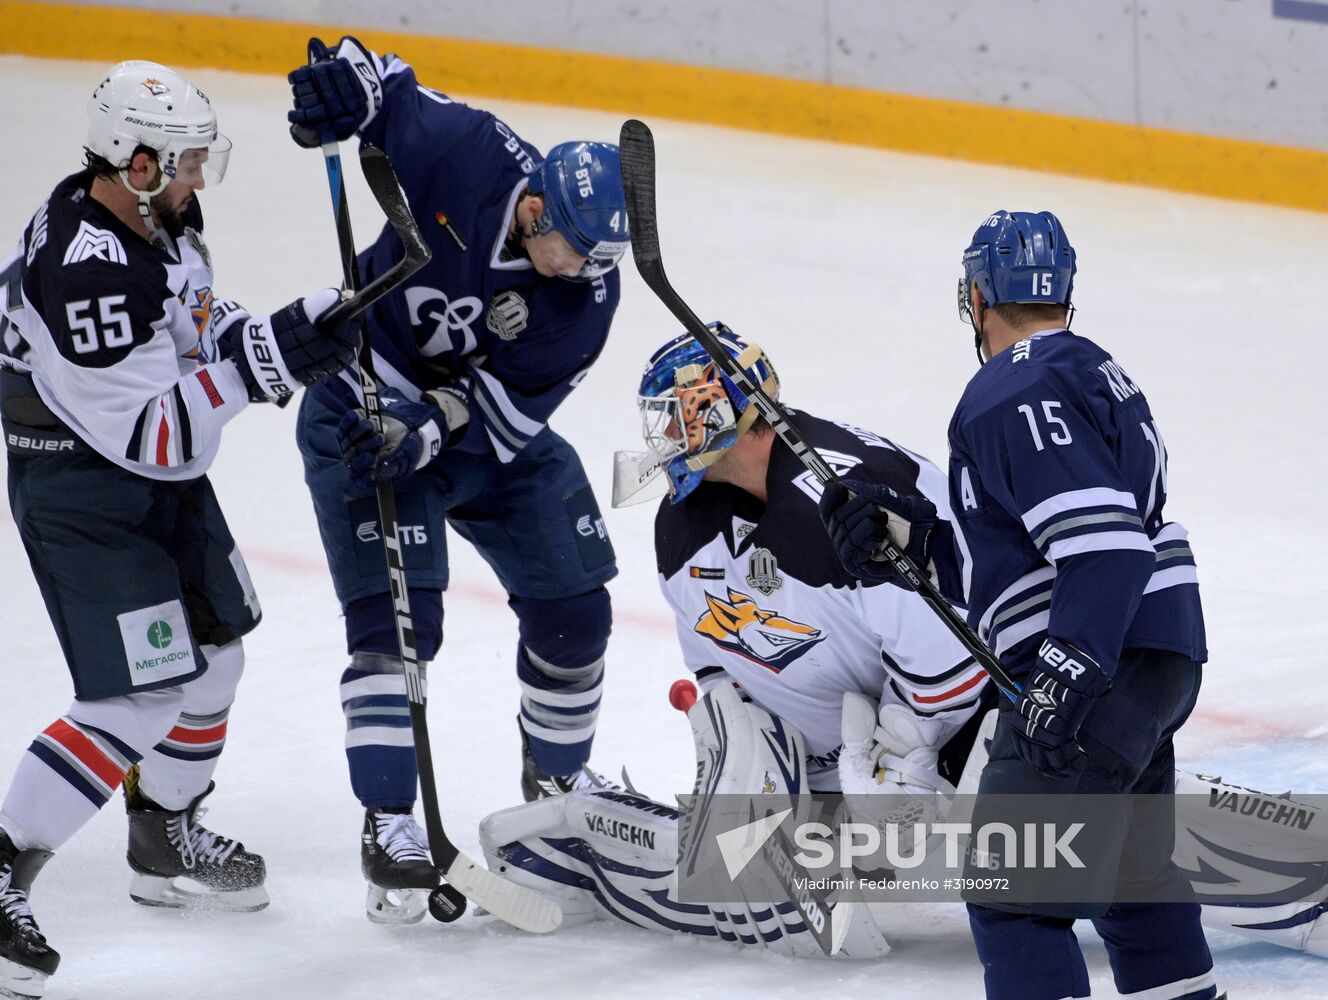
(842, 261)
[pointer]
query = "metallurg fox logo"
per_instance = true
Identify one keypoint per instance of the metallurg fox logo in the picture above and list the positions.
(764, 637)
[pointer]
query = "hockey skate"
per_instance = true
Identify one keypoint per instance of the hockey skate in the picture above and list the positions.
(535, 784)
(394, 857)
(179, 863)
(26, 960)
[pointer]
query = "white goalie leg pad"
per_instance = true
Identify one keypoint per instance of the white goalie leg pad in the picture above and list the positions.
(597, 852)
(609, 853)
(1237, 844)
(742, 750)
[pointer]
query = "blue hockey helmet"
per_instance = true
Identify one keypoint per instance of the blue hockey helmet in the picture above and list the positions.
(1017, 257)
(581, 184)
(691, 412)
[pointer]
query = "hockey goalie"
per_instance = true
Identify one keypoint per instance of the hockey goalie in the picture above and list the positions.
(816, 682)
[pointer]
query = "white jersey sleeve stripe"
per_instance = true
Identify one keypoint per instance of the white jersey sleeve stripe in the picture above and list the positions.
(1101, 541)
(1062, 503)
(1172, 576)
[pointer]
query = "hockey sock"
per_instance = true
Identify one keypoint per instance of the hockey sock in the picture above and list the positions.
(69, 772)
(560, 664)
(379, 746)
(179, 767)
(1158, 949)
(1027, 957)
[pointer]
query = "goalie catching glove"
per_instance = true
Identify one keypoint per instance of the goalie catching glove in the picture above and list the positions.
(412, 436)
(278, 354)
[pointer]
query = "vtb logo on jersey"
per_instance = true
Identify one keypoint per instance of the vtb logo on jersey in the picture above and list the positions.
(764, 637)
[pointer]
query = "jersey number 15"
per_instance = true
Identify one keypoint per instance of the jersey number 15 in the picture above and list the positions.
(1059, 430)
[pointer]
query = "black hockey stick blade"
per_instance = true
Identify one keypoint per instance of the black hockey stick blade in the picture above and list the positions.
(636, 150)
(387, 192)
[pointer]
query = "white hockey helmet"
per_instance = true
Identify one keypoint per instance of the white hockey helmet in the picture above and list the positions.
(145, 103)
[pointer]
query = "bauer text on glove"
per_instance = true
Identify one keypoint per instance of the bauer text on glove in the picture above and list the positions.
(278, 354)
(1055, 698)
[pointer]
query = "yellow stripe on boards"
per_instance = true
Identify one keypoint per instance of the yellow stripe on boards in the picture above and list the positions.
(1179, 161)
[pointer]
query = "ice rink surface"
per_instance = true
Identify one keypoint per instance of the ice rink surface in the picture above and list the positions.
(842, 262)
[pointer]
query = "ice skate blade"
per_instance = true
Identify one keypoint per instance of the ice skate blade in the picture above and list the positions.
(395, 906)
(183, 894)
(18, 982)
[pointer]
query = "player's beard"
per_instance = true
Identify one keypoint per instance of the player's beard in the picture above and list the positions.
(169, 217)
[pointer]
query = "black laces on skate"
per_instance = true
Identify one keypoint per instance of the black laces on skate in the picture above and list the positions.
(197, 843)
(15, 906)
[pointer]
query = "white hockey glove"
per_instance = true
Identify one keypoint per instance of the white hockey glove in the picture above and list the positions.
(887, 770)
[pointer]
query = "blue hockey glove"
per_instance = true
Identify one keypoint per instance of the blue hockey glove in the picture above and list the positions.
(1056, 697)
(279, 353)
(859, 516)
(413, 435)
(336, 96)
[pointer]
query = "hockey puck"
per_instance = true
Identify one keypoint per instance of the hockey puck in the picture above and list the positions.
(682, 694)
(446, 904)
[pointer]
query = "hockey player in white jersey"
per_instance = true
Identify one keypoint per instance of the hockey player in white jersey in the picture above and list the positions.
(762, 608)
(119, 366)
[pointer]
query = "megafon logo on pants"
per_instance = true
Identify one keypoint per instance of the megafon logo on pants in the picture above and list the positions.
(160, 635)
(157, 644)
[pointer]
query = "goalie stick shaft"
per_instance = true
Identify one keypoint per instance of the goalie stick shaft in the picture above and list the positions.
(515, 904)
(637, 151)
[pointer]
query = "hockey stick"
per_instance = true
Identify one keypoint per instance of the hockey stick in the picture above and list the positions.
(637, 152)
(517, 905)
(383, 183)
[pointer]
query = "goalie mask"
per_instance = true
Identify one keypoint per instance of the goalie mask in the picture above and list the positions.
(691, 413)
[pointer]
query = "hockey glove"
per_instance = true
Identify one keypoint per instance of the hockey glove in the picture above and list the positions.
(335, 96)
(1056, 697)
(413, 434)
(859, 516)
(279, 353)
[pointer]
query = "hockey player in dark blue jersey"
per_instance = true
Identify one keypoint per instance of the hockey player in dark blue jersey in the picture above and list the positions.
(1072, 575)
(475, 353)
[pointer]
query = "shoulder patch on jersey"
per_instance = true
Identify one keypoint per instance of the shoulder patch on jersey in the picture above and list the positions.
(90, 242)
(195, 240)
(765, 637)
(508, 314)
